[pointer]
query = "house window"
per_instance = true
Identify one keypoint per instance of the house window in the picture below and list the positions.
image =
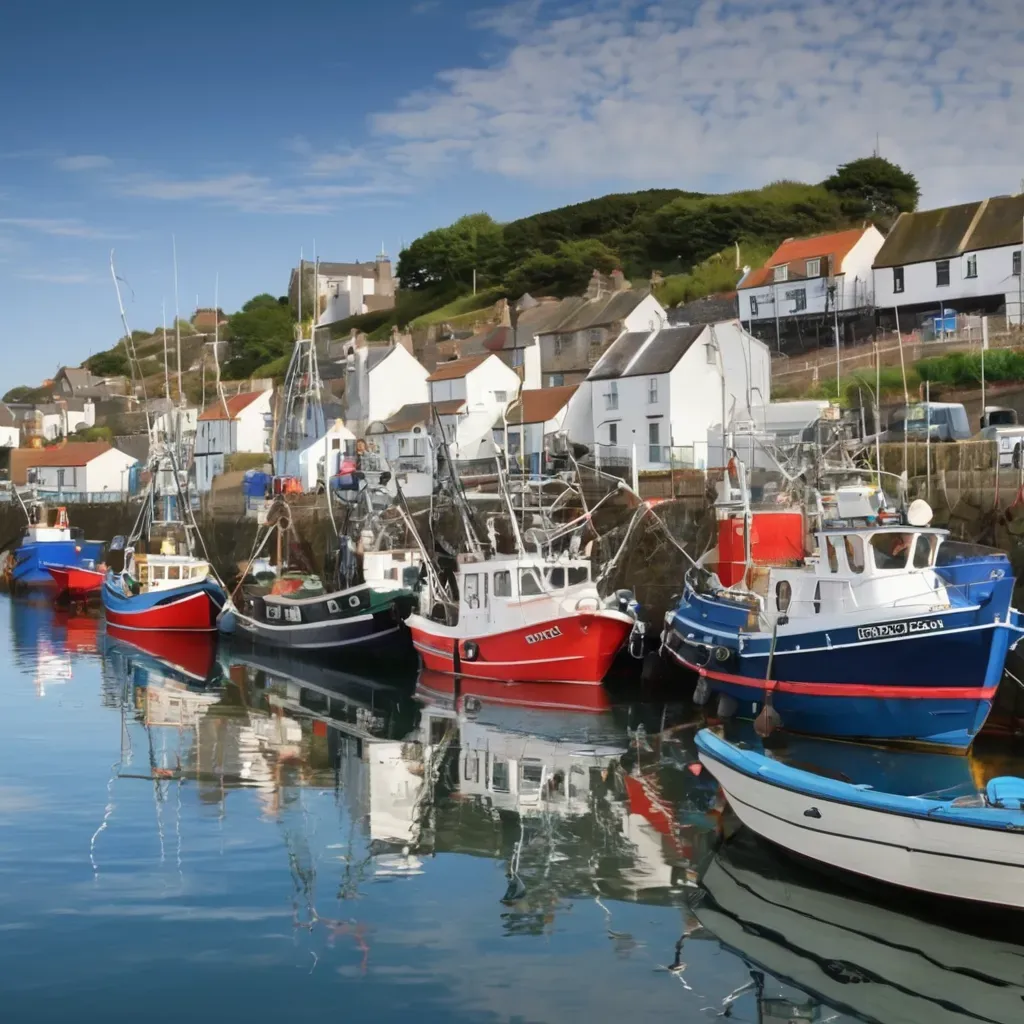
(753, 306)
(556, 380)
(1016, 263)
(799, 299)
(501, 396)
(652, 391)
(595, 335)
(897, 280)
(782, 273)
(941, 273)
(814, 268)
(611, 397)
(972, 266)
(654, 442)
(613, 433)
(499, 775)
(517, 357)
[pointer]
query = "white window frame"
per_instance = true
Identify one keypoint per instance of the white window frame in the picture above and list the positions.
(652, 391)
(781, 273)
(814, 267)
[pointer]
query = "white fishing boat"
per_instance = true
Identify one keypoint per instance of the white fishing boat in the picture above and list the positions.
(969, 848)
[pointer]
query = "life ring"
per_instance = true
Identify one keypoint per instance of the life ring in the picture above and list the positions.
(470, 651)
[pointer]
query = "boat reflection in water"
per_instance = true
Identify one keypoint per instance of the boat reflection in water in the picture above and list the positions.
(47, 640)
(856, 951)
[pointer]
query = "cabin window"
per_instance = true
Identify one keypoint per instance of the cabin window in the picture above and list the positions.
(471, 590)
(577, 575)
(817, 597)
(833, 555)
(174, 572)
(923, 551)
(503, 584)
(783, 596)
(854, 553)
(292, 615)
(158, 572)
(499, 775)
(529, 585)
(556, 578)
(531, 774)
(891, 549)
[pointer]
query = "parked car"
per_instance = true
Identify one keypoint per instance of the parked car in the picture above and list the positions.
(945, 421)
(1010, 440)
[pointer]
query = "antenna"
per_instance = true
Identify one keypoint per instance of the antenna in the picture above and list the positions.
(177, 317)
(216, 345)
(129, 343)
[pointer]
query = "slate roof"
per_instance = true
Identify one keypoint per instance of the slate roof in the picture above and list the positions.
(235, 403)
(617, 357)
(664, 350)
(420, 412)
(7, 417)
(456, 368)
(953, 230)
(376, 355)
(795, 252)
(346, 269)
(632, 355)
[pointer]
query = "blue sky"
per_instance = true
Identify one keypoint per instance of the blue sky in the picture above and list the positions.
(249, 130)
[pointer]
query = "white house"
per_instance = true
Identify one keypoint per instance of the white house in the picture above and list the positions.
(50, 420)
(473, 391)
(812, 278)
(762, 431)
(80, 468)
(170, 418)
(665, 388)
(10, 432)
(322, 459)
(965, 258)
(347, 289)
(240, 423)
(531, 423)
(379, 380)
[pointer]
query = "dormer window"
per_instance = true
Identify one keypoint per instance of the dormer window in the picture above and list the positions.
(814, 268)
(781, 274)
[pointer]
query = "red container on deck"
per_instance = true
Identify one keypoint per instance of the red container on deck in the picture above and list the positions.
(776, 538)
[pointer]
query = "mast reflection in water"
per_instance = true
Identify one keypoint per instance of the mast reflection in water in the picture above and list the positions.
(209, 835)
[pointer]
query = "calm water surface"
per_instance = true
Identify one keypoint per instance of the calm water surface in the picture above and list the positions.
(191, 834)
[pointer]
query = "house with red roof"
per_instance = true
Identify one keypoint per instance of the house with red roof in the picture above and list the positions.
(235, 423)
(809, 283)
(74, 469)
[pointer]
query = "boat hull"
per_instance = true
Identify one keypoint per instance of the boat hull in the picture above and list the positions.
(358, 620)
(190, 608)
(941, 857)
(75, 583)
(29, 560)
(929, 679)
(569, 649)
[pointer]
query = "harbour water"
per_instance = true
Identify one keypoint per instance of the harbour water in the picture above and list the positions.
(189, 833)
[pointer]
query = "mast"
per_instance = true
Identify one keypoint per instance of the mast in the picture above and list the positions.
(177, 320)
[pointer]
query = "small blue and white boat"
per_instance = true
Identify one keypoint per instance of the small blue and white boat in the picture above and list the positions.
(43, 544)
(969, 848)
(886, 629)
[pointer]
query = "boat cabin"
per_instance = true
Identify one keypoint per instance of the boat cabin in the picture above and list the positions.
(857, 569)
(166, 572)
(492, 589)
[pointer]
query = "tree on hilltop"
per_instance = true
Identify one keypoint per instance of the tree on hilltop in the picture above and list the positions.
(874, 188)
(263, 330)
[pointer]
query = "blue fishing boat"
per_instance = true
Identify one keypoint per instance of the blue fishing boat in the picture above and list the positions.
(883, 628)
(969, 848)
(45, 544)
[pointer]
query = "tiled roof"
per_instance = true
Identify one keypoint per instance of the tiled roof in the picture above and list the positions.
(456, 368)
(420, 412)
(74, 453)
(236, 403)
(538, 405)
(345, 269)
(795, 252)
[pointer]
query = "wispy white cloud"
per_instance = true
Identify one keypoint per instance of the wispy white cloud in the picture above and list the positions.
(59, 227)
(425, 6)
(722, 93)
(83, 162)
(57, 278)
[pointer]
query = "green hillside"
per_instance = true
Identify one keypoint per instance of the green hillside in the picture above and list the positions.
(689, 238)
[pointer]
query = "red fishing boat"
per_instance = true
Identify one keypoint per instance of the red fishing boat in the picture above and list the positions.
(537, 696)
(193, 654)
(525, 618)
(75, 583)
